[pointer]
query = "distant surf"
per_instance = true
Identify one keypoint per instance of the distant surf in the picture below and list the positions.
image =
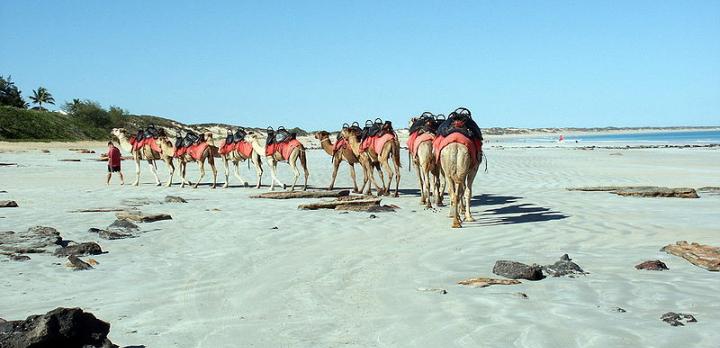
(690, 137)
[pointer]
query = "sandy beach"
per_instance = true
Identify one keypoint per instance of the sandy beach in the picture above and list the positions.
(231, 271)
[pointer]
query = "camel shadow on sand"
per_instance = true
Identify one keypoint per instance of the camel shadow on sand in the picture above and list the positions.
(510, 211)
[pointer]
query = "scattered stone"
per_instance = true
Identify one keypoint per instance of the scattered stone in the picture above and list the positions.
(564, 267)
(123, 226)
(69, 160)
(619, 310)
(7, 164)
(616, 154)
(705, 256)
(45, 151)
(372, 216)
(438, 290)
(110, 235)
(61, 327)
(82, 249)
(16, 257)
(82, 150)
(485, 282)
(98, 210)
(34, 240)
(676, 319)
(137, 202)
(302, 194)
(137, 216)
(521, 295)
(8, 204)
(174, 199)
(77, 264)
(274, 228)
(652, 265)
(517, 270)
(93, 262)
(643, 191)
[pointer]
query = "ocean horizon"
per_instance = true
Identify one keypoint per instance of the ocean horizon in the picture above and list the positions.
(665, 137)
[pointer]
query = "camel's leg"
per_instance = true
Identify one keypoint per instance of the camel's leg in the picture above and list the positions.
(426, 183)
(183, 168)
(386, 166)
(382, 191)
(336, 166)
(457, 200)
(396, 164)
(226, 165)
(420, 182)
(273, 174)
(296, 171)
(436, 186)
(352, 175)
(237, 172)
(258, 169)
(211, 162)
(154, 171)
(468, 194)
(303, 163)
(137, 169)
(171, 167)
(201, 166)
(451, 193)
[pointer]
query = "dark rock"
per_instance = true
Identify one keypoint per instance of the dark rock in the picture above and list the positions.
(372, 216)
(619, 310)
(61, 327)
(123, 226)
(174, 199)
(16, 257)
(653, 265)
(87, 248)
(274, 228)
(564, 267)
(676, 319)
(34, 240)
(111, 235)
(137, 216)
(77, 264)
(517, 270)
(8, 204)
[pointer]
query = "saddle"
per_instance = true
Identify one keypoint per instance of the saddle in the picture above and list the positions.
(234, 138)
(460, 121)
(281, 135)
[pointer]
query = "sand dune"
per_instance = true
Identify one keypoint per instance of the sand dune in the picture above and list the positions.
(219, 275)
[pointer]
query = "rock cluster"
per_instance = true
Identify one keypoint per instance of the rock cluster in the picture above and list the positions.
(61, 327)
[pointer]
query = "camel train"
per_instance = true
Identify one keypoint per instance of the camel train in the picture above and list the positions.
(446, 154)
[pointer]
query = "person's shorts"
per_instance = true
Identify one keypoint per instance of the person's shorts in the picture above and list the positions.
(113, 169)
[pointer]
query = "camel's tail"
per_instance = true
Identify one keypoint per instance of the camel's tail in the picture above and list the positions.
(396, 154)
(409, 161)
(303, 161)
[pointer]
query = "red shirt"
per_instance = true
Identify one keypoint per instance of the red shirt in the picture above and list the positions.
(114, 157)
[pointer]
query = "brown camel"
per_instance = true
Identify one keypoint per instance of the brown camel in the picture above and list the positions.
(345, 154)
(144, 153)
(391, 149)
(235, 156)
(209, 154)
(428, 172)
(459, 169)
(366, 164)
(254, 139)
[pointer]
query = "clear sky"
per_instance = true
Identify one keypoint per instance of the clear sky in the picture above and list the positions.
(317, 64)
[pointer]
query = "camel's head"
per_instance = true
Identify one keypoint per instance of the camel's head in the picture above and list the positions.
(321, 135)
(253, 136)
(117, 132)
(412, 121)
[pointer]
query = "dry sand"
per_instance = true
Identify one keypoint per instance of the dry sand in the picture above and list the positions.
(226, 278)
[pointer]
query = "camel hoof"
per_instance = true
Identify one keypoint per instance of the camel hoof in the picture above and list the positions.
(469, 219)
(396, 195)
(284, 187)
(212, 187)
(158, 184)
(246, 184)
(456, 224)
(225, 186)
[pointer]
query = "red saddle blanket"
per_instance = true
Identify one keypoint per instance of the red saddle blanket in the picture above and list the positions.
(285, 148)
(340, 144)
(137, 145)
(195, 151)
(415, 140)
(242, 147)
(376, 143)
(474, 146)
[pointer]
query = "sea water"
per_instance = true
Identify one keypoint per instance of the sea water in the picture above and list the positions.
(677, 137)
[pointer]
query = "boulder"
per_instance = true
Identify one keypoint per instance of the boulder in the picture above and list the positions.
(705, 256)
(517, 270)
(174, 199)
(87, 248)
(77, 264)
(8, 204)
(564, 267)
(652, 265)
(485, 282)
(61, 327)
(676, 319)
(34, 240)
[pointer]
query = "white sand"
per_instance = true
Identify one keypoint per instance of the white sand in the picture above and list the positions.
(326, 279)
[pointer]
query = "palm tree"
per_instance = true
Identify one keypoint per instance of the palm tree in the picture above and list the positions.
(40, 96)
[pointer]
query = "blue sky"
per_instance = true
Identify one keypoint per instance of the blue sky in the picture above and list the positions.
(321, 63)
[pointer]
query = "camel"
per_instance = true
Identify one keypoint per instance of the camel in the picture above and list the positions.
(390, 148)
(346, 154)
(236, 157)
(459, 169)
(428, 172)
(144, 153)
(254, 139)
(209, 154)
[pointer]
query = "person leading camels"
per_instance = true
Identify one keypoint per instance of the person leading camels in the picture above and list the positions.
(281, 146)
(458, 148)
(142, 147)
